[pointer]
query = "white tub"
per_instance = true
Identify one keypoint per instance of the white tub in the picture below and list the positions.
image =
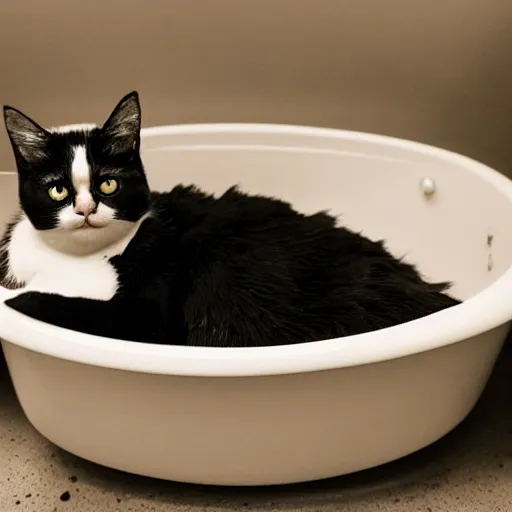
(291, 413)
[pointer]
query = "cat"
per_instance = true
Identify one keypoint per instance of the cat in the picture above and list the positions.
(94, 250)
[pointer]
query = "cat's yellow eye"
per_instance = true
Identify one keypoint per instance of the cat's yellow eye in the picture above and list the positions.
(108, 187)
(58, 193)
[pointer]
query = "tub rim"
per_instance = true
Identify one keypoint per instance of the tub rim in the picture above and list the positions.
(434, 331)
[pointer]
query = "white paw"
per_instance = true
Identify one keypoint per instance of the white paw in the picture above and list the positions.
(89, 279)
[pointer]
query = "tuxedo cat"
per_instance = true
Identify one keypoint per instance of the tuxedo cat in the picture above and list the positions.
(94, 250)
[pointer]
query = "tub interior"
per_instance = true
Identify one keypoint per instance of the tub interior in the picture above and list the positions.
(460, 234)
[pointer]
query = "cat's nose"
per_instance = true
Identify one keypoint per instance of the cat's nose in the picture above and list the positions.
(85, 208)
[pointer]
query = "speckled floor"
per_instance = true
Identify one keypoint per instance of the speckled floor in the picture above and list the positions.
(468, 471)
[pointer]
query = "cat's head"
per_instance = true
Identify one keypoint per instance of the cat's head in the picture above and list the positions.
(82, 188)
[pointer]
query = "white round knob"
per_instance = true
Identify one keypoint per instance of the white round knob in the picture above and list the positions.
(428, 186)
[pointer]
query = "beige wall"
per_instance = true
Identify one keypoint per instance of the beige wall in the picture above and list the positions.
(435, 71)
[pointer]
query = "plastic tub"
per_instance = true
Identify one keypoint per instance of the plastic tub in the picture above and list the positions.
(285, 414)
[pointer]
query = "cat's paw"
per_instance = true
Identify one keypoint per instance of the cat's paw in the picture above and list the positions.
(28, 303)
(9, 293)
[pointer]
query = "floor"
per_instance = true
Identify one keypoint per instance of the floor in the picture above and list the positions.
(470, 470)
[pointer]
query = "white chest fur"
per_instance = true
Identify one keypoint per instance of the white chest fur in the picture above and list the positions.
(45, 269)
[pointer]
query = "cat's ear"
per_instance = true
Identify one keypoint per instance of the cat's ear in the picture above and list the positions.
(29, 140)
(122, 128)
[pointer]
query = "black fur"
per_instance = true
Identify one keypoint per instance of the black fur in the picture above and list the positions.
(245, 271)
